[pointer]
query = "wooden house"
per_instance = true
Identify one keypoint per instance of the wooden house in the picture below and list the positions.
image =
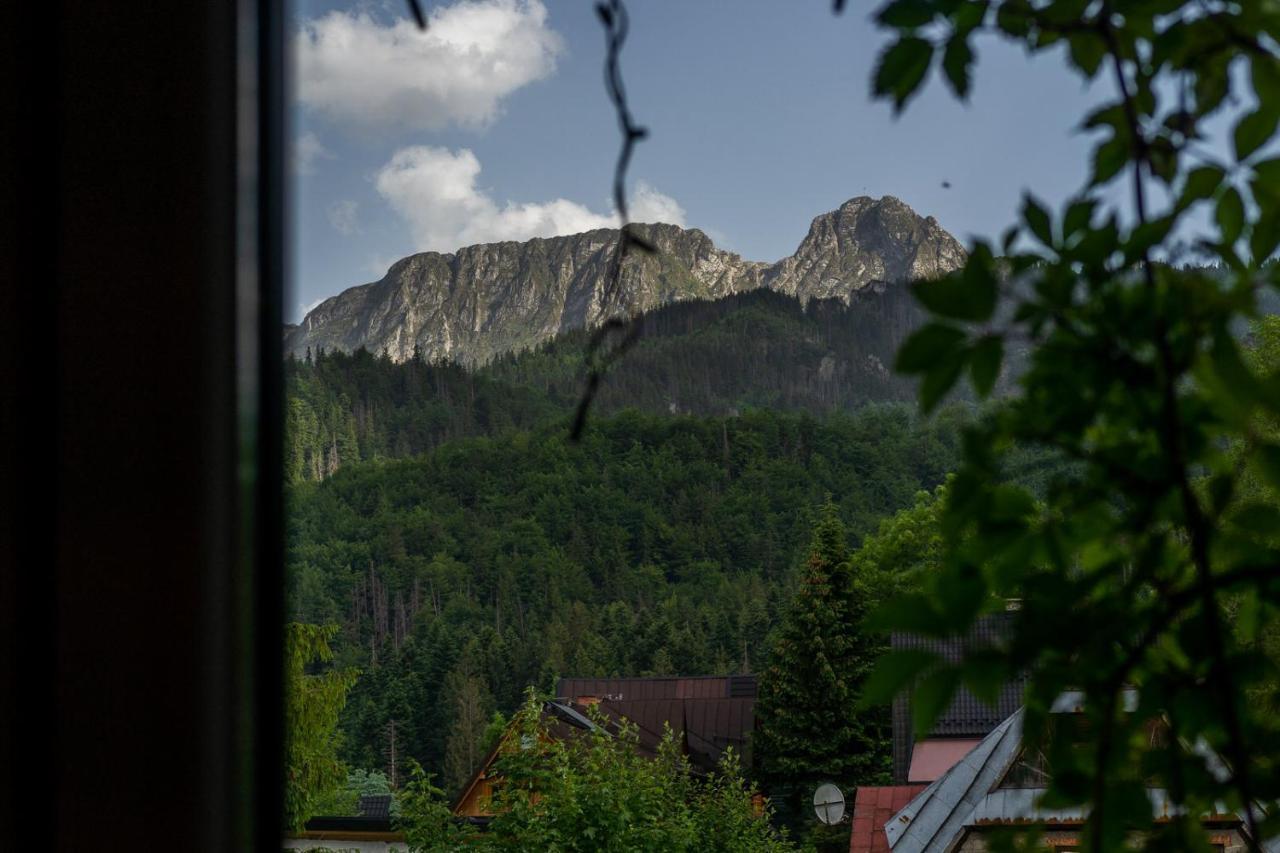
(707, 715)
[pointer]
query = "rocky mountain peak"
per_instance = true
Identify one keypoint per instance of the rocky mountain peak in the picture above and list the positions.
(489, 299)
(863, 241)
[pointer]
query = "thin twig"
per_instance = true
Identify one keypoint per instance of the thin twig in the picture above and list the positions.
(416, 9)
(613, 15)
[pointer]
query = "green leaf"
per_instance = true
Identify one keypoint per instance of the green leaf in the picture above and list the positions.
(940, 379)
(1087, 52)
(1108, 159)
(984, 363)
(931, 698)
(1265, 76)
(1230, 216)
(1268, 172)
(905, 14)
(1037, 219)
(1268, 458)
(956, 61)
(969, 297)
(1265, 238)
(912, 613)
(1079, 215)
(1235, 379)
(1256, 517)
(1253, 131)
(1201, 183)
(902, 69)
(969, 16)
(984, 672)
(928, 346)
(895, 670)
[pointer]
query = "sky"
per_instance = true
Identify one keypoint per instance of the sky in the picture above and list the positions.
(494, 125)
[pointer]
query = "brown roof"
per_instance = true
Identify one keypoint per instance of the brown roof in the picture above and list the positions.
(872, 809)
(659, 687)
(704, 727)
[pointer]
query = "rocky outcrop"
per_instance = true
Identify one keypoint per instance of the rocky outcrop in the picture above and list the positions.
(867, 240)
(490, 299)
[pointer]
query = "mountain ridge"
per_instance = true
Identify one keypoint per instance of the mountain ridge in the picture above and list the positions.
(486, 300)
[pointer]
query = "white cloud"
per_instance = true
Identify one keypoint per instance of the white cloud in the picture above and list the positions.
(304, 310)
(344, 216)
(435, 190)
(357, 71)
(307, 149)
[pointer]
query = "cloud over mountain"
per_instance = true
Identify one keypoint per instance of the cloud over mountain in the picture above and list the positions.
(435, 191)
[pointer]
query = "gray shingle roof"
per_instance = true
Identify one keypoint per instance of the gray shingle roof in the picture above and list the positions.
(966, 716)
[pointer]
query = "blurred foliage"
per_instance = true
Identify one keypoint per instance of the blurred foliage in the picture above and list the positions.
(313, 702)
(1152, 561)
(595, 791)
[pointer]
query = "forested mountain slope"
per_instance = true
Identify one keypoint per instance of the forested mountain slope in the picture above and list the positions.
(658, 544)
(751, 350)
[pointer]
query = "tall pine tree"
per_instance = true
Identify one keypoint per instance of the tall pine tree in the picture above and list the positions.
(811, 729)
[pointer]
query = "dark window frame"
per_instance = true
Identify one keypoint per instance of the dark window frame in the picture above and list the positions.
(141, 550)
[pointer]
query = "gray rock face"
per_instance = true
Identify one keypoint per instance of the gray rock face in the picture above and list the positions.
(865, 241)
(490, 299)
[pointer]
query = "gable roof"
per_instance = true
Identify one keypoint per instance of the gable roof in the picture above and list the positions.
(966, 716)
(969, 794)
(707, 715)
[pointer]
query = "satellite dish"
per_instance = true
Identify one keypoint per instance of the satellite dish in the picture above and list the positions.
(828, 804)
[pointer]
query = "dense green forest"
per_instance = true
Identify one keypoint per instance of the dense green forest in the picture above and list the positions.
(467, 548)
(751, 350)
(657, 545)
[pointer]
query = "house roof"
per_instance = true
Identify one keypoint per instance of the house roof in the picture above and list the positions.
(659, 687)
(374, 805)
(967, 715)
(970, 795)
(872, 809)
(707, 714)
(704, 727)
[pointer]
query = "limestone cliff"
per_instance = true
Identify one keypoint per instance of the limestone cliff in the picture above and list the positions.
(485, 300)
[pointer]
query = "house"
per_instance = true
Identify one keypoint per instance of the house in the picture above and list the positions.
(995, 785)
(370, 830)
(706, 714)
(965, 722)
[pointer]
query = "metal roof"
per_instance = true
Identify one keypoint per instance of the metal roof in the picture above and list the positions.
(966, 716)
(374, 805)
(659, 687)
(968, 796)
(704, 727)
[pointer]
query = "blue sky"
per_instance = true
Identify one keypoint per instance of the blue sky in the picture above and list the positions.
(759, 111)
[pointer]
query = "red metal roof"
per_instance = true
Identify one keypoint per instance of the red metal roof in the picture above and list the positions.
(872, 809)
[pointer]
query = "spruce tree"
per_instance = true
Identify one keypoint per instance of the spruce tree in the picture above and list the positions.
(811, 729)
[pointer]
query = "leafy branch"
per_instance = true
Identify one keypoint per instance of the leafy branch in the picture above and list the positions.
(1127, 566)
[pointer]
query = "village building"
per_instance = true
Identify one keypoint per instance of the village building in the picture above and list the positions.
(995, 785)
(371, 830)
(707, 715)
(965, 722)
